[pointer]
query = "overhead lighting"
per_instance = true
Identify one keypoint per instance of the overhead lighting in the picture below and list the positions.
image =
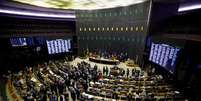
(37, 14)
(191, 7)
(80, 4)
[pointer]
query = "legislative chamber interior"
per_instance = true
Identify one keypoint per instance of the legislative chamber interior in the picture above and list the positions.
(100, 50)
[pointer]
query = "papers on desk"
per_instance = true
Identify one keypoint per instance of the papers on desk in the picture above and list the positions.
(89, 96)
(21, 81)
(106, 79)
(36, 81)
(176, 92)
(97, 82)
(51, 72)
(33, 79)
(92, 83)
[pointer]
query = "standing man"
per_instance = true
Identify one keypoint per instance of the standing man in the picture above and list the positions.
(106, 70)
(127, 72)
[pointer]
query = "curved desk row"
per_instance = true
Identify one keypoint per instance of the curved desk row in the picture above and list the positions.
(104, 61)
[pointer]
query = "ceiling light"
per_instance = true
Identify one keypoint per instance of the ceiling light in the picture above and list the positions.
(190, 7)
(38, 14)
(81, 4)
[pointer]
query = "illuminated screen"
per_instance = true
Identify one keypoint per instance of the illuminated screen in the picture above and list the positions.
(18, 42)
(58, 46)
(164, 55)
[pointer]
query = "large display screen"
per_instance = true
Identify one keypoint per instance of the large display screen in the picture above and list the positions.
(164, 55)
(18, 42)
(58, 46)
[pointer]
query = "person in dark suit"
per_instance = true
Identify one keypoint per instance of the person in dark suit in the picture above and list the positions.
(114, 94)
(62, 98)
(127, 74)
(73, 93)
(133, 72)
(104, 70)
(129, 97)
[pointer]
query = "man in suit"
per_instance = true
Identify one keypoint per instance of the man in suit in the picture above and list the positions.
(129, 97)
(127, 74)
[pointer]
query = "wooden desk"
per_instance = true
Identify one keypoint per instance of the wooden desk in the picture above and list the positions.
(104, 61)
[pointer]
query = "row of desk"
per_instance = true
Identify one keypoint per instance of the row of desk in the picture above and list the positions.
(104, 61)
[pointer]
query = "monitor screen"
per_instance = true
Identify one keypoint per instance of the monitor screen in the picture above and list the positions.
(18, 42)
(30, 41)
(40, 41)
(164, 55)
(58, 46)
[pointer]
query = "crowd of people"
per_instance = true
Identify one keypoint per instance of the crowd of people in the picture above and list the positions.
(55, 80)
(59, 80)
